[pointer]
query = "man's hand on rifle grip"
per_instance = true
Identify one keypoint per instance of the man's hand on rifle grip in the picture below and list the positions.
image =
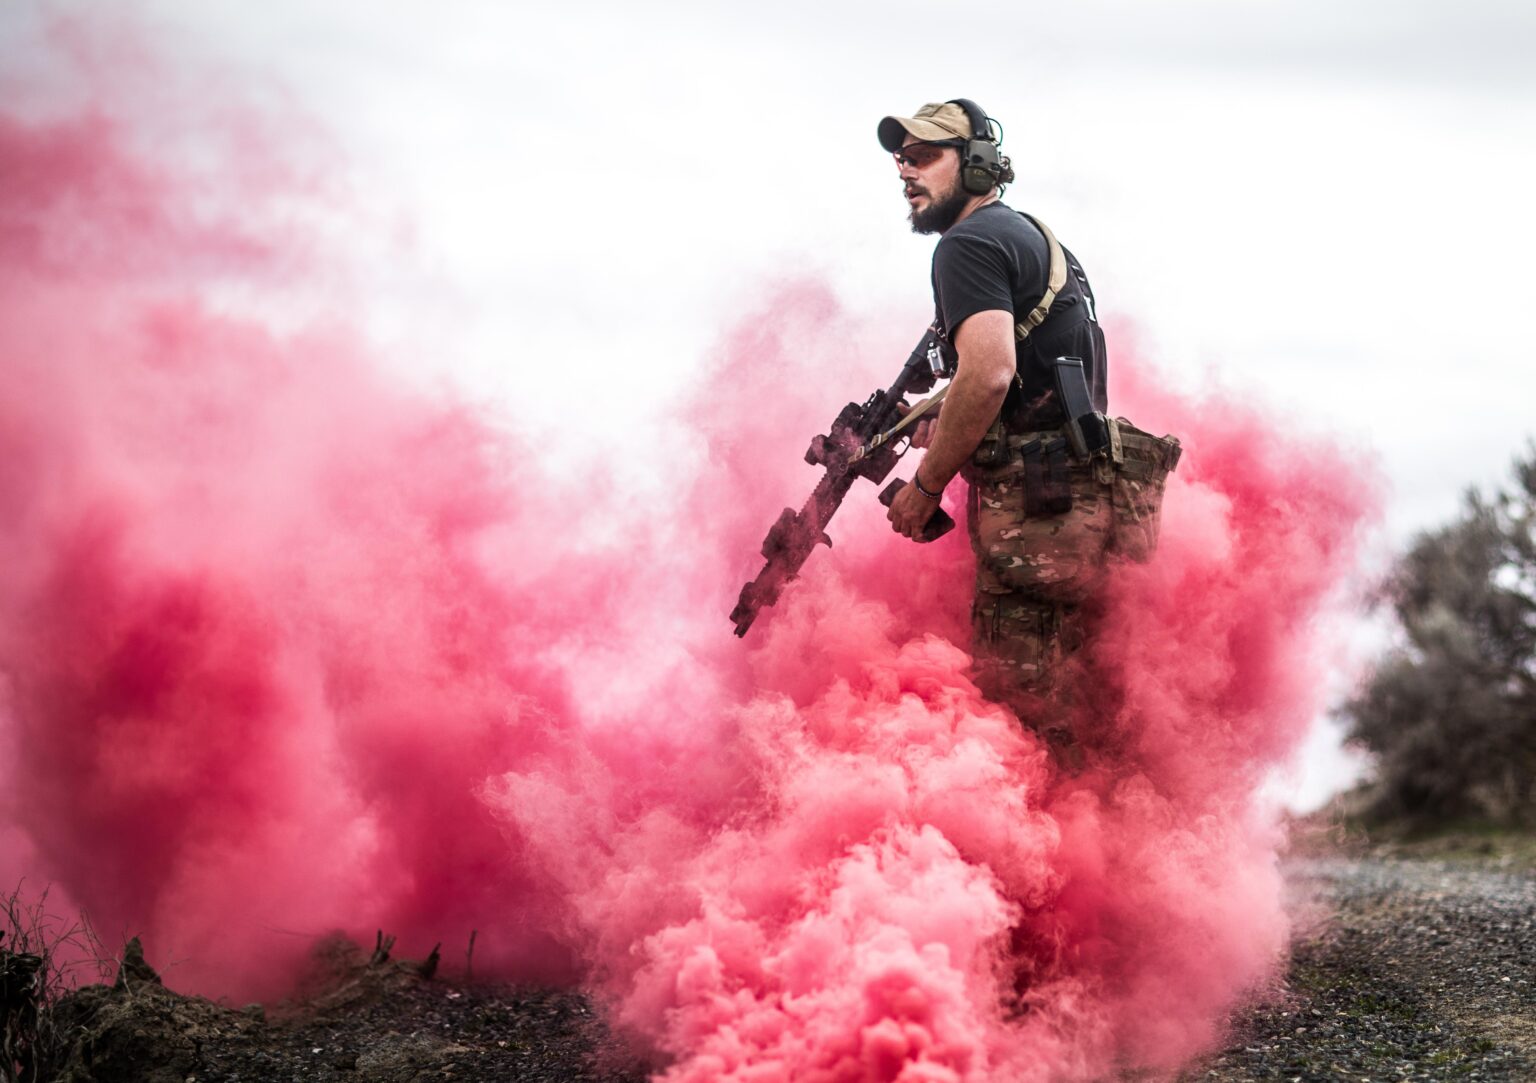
(910, 511)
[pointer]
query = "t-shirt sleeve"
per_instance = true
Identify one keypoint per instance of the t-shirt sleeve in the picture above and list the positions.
(970, 275)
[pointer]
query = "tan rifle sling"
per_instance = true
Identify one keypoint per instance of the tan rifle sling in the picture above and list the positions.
(1055, 279)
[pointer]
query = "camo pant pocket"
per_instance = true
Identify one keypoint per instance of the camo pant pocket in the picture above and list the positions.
(1138, 511)
(1052, 558)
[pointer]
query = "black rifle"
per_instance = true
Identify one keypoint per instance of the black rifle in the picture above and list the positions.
(858, 445)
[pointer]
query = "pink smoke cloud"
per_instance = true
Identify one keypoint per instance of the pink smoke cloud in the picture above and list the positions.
(284, 648)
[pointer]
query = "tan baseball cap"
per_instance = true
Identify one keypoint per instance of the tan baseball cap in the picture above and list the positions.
(935, 122)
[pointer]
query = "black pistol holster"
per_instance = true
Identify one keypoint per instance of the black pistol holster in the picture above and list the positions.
(1086, 430)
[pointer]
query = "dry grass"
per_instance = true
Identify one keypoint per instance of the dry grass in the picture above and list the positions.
(42, 958)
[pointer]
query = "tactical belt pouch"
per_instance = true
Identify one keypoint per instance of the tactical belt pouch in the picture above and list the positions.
(1047, 483)
(993, 449)
(1042, 463)
(1140, 472)
(1146, 457)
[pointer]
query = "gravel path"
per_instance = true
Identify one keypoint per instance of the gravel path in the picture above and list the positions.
(1403, 969)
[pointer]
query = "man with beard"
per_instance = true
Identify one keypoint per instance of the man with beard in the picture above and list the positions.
(1043, 520)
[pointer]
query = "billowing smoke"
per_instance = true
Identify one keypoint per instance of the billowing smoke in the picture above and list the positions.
(286, 646)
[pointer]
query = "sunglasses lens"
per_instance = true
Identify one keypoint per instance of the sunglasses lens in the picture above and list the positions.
(919, 155)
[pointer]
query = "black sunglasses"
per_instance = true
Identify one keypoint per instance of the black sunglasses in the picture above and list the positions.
(920, 155)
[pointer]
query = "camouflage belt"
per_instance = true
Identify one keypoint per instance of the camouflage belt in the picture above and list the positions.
(998, 458)
(1131, 451)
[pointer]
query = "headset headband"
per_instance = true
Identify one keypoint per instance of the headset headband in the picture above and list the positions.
(977, 117)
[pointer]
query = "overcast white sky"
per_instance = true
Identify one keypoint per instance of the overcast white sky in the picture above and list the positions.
(1323, 204)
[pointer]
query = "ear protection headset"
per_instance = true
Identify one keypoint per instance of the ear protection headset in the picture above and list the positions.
(979, 166)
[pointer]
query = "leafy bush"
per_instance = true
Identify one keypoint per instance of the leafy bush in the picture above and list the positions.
(1451, 717)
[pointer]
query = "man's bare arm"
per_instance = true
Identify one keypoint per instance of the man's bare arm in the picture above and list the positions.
(985, 368)
(984, 345)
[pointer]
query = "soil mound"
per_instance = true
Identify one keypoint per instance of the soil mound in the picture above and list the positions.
(355, 1017)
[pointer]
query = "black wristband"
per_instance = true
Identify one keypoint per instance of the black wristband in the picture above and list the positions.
(931, 496)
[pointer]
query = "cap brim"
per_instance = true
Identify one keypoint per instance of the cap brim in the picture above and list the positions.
(893, 132)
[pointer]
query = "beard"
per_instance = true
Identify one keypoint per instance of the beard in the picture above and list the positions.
(942, 212)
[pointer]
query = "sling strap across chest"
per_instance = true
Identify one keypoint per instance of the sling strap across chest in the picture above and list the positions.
(1055, 279)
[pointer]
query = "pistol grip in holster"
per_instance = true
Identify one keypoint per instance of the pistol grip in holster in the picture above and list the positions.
(939, 525)
(1087, 435)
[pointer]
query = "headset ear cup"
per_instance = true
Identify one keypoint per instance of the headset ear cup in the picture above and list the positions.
(979, 173)
(980, 170)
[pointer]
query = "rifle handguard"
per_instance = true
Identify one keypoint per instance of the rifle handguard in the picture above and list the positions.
(938, 525)
(860, 444)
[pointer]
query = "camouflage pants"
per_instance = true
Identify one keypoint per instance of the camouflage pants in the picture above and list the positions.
(1037, 567)
(1033, 574)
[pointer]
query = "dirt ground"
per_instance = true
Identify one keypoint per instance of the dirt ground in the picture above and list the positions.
(1411, 962)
